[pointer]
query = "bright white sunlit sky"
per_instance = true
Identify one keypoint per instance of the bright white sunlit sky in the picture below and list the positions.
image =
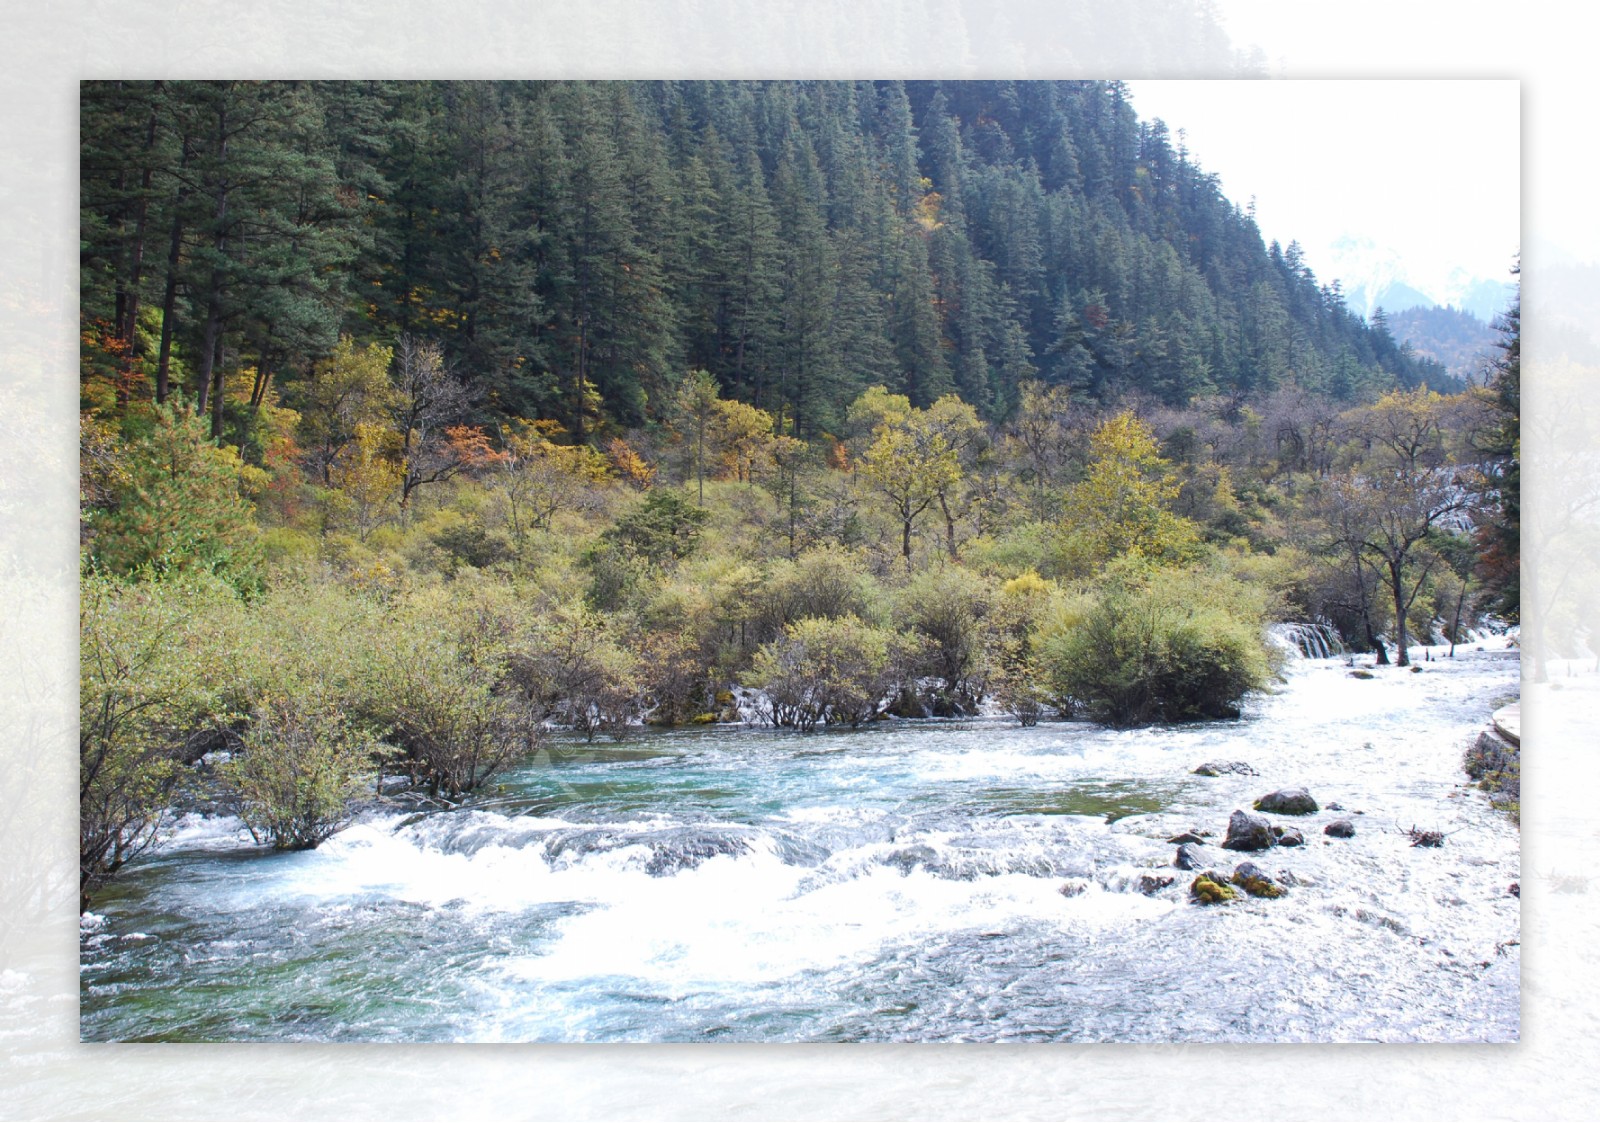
(1415, 181)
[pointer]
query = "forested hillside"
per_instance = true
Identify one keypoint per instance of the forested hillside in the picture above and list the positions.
(1457, 340)
(575, 248)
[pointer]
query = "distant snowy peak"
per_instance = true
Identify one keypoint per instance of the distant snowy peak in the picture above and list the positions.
(1375, 276)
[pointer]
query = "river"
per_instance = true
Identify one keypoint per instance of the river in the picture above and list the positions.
(915, 881)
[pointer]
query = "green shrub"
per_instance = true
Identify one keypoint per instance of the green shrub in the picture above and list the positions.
(468, 543)
(827, 671)
(826, 583)
(455, 730)
(150, 677)
(301, 766)
(1158, 645)
(568, 670)
(663, 527)
(282, 546)
(949, 608)
(175, 506)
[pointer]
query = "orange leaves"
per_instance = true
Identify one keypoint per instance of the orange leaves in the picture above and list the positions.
(110, 375)
(633, 468)
(470, 447)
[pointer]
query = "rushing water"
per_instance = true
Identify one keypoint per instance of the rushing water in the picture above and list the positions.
(902, 883)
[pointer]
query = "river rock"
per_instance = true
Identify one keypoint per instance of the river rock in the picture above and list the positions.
(909, 858)
(1224, 767)
(1075, 887)
(1340, 828)
(1287, 801)
(1189, 857)
(1248, 832)
(1362, 674)
(1186, 836)
(1211, 888)
(1254, 881)
(1291, 837)
(1150, 884)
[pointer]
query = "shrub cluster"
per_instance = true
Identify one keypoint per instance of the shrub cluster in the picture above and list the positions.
(1157, 645)
(827, 671)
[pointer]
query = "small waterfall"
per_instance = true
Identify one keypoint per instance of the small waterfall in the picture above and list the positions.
(1317, 639)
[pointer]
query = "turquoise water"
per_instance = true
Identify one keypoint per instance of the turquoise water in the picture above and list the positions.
(903, 882)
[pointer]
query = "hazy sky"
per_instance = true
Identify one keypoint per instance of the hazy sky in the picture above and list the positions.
(1424, 170)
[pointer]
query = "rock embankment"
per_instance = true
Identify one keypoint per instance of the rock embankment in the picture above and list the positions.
(1494, 760)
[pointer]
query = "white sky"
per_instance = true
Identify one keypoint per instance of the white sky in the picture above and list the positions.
(1428, 169)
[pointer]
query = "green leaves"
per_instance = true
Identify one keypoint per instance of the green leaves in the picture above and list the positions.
(1158, 646)
(174, 506)
(1124, 504)
(150, 677)
(827, 671)
(303, 763)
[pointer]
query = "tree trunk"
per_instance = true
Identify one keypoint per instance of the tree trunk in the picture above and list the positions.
(209, 377)
(169, 295)
(127, 329)
(581, 377)
(1397, 587)
(1366, 614)
(216, 387)
(1455, 625)
(949, 526)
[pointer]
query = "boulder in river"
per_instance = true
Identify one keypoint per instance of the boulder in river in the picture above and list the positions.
(1211, 888)
(1287, 801)
(1291, 837)
(1248, 832)
(1186, 836)
(1254, 881)
(1189, 857)
(1224, 767)
(1150, 884)
(1340, 828)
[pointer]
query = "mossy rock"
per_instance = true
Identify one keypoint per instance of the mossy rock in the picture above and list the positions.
(724, 697)
(1362, 674)
(1253, 881)
(1205, 891)
(704, 719)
